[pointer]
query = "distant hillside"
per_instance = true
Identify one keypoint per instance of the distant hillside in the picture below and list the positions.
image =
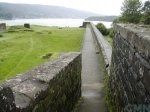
(13, 11)
(102, 18)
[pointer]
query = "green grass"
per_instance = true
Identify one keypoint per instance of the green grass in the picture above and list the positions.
(109, 39)
(21, 50)
(105, 81)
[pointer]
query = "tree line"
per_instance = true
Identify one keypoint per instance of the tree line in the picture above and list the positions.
(102, 18)
(133, 11)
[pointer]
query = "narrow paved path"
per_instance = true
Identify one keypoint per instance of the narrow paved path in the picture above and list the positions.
(92, 84)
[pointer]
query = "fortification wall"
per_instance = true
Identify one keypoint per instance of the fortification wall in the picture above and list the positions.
(129, 81)
(128, 69)
(52, 87)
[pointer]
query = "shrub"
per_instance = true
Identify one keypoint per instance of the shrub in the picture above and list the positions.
(101, 27)
(1, 35)
(111, 32)
(146, 18)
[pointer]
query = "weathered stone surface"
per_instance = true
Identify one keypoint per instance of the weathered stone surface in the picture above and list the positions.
(137, 36)
(22, 102)
(53, 86)
(6, 99)
(129, 75)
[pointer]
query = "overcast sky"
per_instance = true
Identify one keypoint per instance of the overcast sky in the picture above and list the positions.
(106, 7)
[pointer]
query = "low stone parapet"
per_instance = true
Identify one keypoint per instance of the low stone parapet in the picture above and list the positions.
(54, 87)
(103, 46)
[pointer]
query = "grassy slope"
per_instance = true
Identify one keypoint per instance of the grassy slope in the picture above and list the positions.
(109, 39)
(20, 51)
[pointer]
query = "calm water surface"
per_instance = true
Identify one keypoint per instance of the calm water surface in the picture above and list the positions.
(52, 22)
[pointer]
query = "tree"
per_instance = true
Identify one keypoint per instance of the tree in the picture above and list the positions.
(146, 6)
(111, 32)
(146, 13)
(118, 20)
(146, 18)
(131, 11)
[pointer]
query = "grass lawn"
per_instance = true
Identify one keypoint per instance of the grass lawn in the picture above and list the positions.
(109, 39)
(21, 50)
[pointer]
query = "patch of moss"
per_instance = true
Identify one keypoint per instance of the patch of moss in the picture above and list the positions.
(77, 106)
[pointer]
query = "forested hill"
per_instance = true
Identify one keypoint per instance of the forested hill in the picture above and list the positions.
(102, 18)
(28, 11)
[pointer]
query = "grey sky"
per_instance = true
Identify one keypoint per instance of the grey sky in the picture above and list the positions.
(106, 7)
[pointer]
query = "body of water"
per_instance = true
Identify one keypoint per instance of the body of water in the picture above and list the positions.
(52, 22)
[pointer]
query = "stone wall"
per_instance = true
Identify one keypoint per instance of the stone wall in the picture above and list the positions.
(85, 23)
(129, 80)
(128, 69)
(52, 87)
(103, 46)
(2, 27)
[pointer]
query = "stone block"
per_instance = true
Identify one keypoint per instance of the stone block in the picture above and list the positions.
(23, 103)
(146, 80)
(141, 92)
(27, 25)
(2, 27)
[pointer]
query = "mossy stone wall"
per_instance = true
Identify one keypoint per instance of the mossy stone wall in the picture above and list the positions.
(52, 87)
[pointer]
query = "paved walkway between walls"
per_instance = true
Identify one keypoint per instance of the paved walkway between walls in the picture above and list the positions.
(92, 83)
